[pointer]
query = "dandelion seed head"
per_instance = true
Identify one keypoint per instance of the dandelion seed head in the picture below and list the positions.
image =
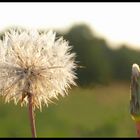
(37, 64)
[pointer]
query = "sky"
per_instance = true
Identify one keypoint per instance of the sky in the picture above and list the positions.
(118, 23)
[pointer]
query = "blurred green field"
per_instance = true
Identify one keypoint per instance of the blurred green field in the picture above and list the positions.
(100, 111)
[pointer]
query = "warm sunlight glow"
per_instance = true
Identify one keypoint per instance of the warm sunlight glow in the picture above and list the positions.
(117, 22)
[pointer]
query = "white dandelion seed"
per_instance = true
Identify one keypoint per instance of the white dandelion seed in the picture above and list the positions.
(35, 64)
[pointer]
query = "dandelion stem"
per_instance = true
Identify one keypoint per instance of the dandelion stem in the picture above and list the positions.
(138, 128)
(32, 117)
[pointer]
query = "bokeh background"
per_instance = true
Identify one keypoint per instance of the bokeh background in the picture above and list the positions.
(99, 105)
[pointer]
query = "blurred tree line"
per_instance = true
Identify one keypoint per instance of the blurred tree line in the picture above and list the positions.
(102, 64)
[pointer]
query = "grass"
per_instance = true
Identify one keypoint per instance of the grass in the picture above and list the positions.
(101, 111)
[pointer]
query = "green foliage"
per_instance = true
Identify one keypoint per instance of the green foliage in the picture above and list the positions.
(122, 60)
(91, 53)
(102, 64)
(102, 111)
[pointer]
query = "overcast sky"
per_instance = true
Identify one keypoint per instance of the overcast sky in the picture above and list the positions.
(117, 22)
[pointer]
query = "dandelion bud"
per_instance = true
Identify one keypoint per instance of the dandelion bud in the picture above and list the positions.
(135, 93)
(135, 70)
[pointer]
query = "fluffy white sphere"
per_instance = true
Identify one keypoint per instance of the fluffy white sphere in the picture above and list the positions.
(37, 64)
